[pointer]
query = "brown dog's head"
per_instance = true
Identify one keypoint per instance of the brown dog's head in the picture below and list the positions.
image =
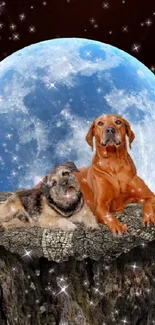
(62, 189)
(110, 130)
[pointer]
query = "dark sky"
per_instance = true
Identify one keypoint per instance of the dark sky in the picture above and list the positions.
(127, 24)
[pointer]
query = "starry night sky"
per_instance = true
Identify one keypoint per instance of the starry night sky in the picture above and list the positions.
(127, 24)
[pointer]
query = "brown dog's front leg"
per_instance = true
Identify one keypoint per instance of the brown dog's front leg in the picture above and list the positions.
(141, 193)
(104, 216)
(149, 211)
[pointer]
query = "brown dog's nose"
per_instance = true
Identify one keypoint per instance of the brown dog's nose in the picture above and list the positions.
(110, 130)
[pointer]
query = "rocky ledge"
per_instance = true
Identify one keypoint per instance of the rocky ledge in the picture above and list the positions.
(84, 276)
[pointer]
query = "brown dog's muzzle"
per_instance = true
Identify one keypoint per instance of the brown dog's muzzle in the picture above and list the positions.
(111, 137)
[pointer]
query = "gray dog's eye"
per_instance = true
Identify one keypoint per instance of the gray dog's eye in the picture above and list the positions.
(54, 183)
(65, 173)
(118, 122)
(100, 123)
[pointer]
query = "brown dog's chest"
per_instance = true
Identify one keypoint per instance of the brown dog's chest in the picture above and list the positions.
(117, 179)
(119, 184)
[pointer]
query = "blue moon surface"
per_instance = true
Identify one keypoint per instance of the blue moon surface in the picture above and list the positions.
(50, 93)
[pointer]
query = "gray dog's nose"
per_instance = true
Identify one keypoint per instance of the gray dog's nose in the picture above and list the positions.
(110, 130)
(64, 182)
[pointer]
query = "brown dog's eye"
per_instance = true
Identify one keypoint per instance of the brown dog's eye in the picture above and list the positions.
(65, 173)
(118, 122)
(54, 183)
(100, 123)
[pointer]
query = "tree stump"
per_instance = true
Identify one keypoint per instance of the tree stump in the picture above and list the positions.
(87, 277)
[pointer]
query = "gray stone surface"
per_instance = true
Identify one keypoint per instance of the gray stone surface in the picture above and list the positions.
(58, 245)
(88, 277)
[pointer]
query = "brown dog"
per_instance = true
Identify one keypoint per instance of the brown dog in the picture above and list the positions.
(111, 182)
(58, 203)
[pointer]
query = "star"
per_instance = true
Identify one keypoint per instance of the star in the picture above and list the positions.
(9, 136)
(44, 3)
(125, 28)
(105, 5)
(116, 311)
(15, 36)
(91, 303)
(96, 26)
(92, 20)
(14, 158)
(37, 301)
(124, 321)
(110, 32)
(99, 90)
(52, 85)
(13, 26)
(152, 68)
(63, 289)
(62, 279)
(27, 253)
(37, 272)
(136, 47)
(88, 53)
(134, 266)
(22, 16)
(2, 4)
(148, 22)
(32, 29)
(106, 267)
(143, 245)
(96, 290)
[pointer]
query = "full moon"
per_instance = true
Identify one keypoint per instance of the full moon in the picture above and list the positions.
(50, 93)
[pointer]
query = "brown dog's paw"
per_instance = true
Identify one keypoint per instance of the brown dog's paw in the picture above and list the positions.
(148, 219)
(114, 225)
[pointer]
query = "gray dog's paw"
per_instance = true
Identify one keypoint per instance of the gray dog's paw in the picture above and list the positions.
(94, 225)
(64, 224)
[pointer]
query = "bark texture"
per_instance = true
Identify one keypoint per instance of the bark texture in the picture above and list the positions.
(88, 277)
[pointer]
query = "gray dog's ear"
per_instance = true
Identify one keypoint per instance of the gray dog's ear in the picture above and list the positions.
(71, 166)
(44, 188)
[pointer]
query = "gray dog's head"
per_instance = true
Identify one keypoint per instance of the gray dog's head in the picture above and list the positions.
(62, 189)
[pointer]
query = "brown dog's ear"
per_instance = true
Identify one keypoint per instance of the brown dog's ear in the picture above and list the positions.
(71, 166)
(129, 133)
(90, 135)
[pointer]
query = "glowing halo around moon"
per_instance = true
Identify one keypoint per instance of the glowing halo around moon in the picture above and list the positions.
(50, 93)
